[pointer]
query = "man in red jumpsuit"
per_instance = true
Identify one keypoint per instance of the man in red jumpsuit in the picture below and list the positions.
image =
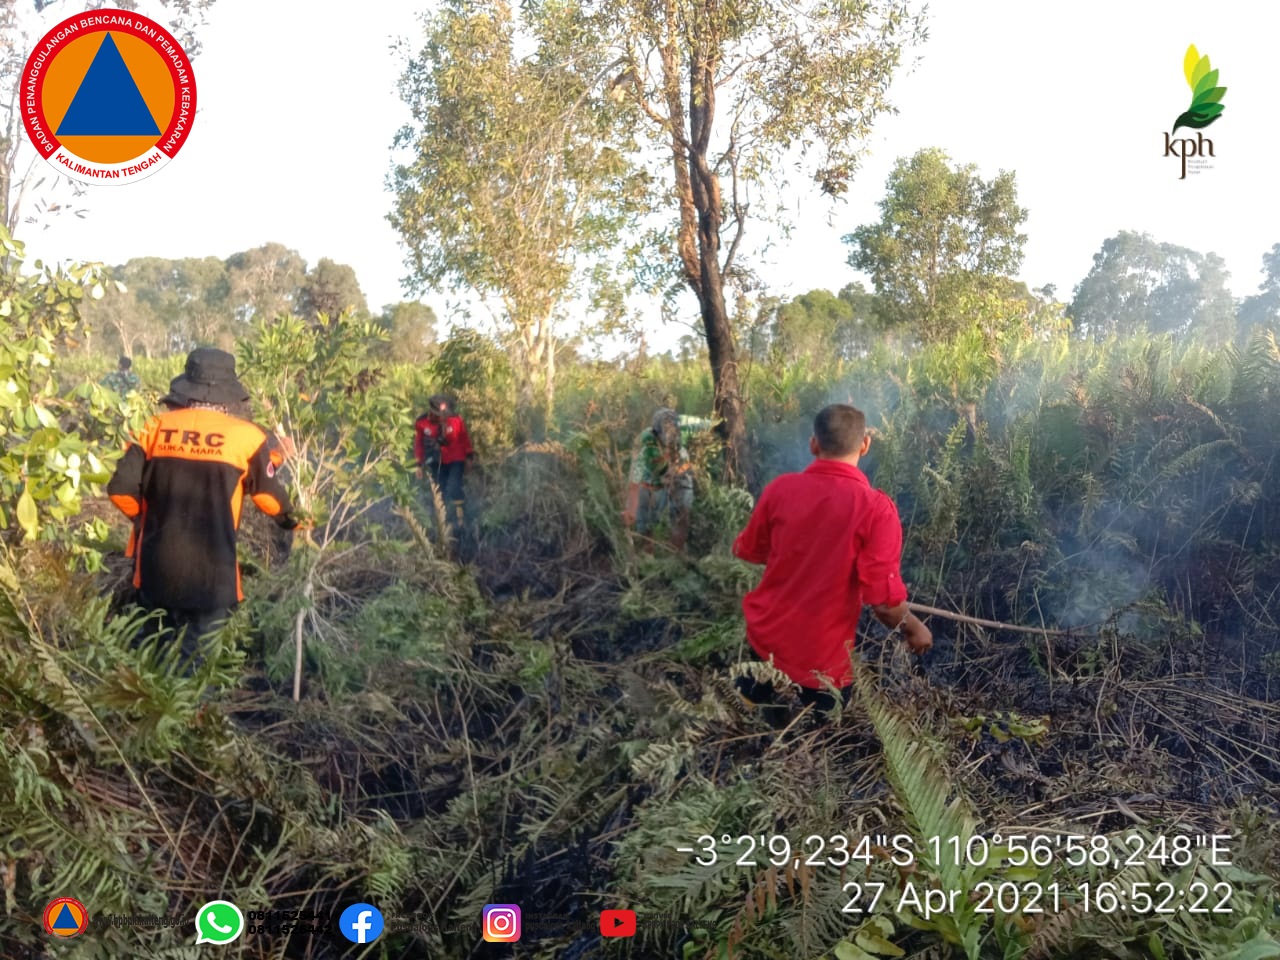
(442, 446)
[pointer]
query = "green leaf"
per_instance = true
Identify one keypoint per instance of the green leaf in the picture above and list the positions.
(1261, 947)
(844, 950)
(27, 515)
(1156, 948)
(1208, 111)
(883, 924)
(1206, 83)
(1212, 96)
(874, 943)
(1198, 73)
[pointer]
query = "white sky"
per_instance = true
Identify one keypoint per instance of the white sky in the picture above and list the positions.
(298, 106)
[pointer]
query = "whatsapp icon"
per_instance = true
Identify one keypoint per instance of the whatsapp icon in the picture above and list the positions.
(218, 921)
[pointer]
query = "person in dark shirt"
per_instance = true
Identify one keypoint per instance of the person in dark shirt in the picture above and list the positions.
(183, 481)
(829, 543)
(122, 379)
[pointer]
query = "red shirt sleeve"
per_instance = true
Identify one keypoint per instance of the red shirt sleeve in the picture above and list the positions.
(465, 438)
(880, 557)
(752, 544)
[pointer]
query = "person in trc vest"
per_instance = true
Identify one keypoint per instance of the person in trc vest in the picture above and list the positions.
(442, 448)
(183, 481)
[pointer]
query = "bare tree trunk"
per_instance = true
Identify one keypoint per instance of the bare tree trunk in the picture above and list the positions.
(708, 203)
(701, 216)
(549, 387)
(536, 362)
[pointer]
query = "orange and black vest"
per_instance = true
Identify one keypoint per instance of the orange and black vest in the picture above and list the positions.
(183, 481)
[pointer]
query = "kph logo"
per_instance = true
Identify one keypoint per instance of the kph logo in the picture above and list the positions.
(1206, 107)
(1187, 149)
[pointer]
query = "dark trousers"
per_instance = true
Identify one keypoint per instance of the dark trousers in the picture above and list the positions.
(448, 477)
(187, 627)
(778, 715)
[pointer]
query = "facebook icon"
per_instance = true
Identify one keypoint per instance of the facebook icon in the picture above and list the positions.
(361, 923)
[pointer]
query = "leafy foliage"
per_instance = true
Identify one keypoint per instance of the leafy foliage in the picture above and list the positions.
(518, 170)
(1137, 285)
(944, 234)
(48, 465)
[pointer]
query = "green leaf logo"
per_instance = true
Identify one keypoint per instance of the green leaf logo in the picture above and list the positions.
(1206, 95)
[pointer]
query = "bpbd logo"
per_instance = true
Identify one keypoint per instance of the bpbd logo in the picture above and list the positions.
(1206, 107)
(107, 96)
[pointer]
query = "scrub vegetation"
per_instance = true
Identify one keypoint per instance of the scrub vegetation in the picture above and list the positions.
(543, 712)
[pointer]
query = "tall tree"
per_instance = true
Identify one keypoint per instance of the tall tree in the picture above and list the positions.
(264, 281)
(516, 170)
(1139, 284)
(411, 329)
(740, 91)
(1264, 306)
(820, 326)
(330, 288)
(946, 238)
(167, 306)
(30, 191)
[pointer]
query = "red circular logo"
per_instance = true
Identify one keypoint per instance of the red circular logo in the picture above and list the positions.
(108, 96)
(65, 917)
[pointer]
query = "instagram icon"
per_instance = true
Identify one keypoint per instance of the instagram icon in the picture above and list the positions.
(501, 922)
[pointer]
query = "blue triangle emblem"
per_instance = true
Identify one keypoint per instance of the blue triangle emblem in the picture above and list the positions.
(65, 920)
(108, 103)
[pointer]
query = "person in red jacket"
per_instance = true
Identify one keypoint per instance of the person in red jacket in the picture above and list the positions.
(442, 446)
(829, 543)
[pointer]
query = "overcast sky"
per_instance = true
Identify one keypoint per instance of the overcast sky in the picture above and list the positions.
(297, 109)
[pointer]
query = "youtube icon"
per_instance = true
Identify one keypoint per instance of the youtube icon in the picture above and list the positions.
(618, 923)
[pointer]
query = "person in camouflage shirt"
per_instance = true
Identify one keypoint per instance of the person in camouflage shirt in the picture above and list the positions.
(661, 480)
(122, 380)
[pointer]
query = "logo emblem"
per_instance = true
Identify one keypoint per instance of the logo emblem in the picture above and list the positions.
(218, 921)
(618, 923)
(108, 96)
(361, 923)
(1206, 95)
(65, 917)
(501, 922)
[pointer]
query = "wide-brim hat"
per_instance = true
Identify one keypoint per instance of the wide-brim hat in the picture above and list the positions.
(210, 377)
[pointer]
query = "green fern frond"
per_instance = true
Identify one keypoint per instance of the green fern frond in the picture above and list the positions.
(930, 805)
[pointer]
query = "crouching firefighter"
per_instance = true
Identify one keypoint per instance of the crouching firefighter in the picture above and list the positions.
(442, 447)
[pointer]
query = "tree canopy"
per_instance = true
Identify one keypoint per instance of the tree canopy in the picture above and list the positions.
(946, 240)
(170, 306)
(517, 173)
(734, 94)
(1264, 306)
(1140, 284)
